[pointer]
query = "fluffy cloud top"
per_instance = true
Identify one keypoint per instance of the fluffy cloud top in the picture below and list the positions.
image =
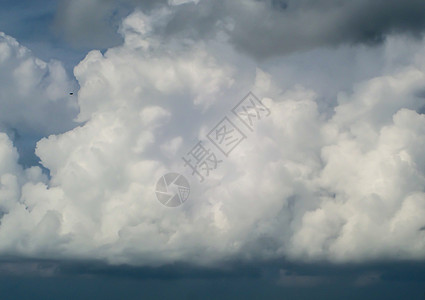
(342, 186)
(34, 94)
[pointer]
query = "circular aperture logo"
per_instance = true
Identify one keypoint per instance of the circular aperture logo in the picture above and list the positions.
(172, 189)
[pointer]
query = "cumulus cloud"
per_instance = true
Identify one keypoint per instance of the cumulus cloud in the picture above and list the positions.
(34, 97)
(34, 94)
(342, 185)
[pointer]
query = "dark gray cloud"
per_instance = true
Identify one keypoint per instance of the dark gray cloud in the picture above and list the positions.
(261, 28)
(266, 28)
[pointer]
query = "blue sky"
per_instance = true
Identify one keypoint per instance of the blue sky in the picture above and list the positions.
(32, 23)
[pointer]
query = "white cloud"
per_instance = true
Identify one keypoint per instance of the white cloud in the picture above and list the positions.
(304, 185)
(34, 95)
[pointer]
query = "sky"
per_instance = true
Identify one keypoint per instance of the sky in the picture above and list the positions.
(204, 149)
